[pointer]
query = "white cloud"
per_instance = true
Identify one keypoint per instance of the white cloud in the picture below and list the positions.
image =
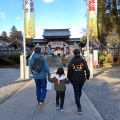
(76, 33)
(17, 18)
(39, 33)
(2, 15)
(48, 1)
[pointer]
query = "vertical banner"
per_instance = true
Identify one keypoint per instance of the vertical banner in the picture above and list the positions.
(29, 19)
(92, 18)
(95, 57)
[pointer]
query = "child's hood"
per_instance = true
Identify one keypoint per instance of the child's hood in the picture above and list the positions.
(62, 77)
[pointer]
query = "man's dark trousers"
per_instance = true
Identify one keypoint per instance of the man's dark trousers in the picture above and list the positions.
(77, 92)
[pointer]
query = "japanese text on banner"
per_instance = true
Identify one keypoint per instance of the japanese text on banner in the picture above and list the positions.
(29, 18)
(92, 7)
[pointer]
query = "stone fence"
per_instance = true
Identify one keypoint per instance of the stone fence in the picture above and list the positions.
(5, 53)
(114, 51)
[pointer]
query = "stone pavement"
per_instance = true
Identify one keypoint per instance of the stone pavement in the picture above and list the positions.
(23, 106)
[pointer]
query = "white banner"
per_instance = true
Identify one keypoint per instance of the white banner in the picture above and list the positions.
(95, 53)
(29, 18)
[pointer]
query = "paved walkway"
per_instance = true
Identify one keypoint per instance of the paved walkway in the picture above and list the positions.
(23, 106)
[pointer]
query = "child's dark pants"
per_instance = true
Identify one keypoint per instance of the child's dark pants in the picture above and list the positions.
(60, 95)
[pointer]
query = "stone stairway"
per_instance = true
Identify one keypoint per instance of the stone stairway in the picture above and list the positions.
(56, 61)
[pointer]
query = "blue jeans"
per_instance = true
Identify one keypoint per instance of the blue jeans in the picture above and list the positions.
(41, 89)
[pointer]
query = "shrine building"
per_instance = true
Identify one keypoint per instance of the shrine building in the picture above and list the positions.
(56, 39)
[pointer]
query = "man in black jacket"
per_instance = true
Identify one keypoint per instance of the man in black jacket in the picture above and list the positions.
(78, 72)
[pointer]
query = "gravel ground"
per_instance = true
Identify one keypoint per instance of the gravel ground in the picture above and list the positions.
(9, 82)
(104, 92)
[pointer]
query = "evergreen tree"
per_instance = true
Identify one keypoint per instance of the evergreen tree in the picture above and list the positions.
(104, 24)
(4, 36)
(114, 17)
(15, 34)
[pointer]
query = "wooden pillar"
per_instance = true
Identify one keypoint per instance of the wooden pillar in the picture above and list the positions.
(45, 49)
(68, 49)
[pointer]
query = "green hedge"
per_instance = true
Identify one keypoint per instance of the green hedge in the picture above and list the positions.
(102, 58)
(15, 58)
(6, 62)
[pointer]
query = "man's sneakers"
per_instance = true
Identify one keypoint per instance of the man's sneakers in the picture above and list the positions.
(57, 107)
(41, 104)
(79, 110)
(61, 109)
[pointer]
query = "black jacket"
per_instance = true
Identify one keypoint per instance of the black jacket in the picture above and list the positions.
(78, 70)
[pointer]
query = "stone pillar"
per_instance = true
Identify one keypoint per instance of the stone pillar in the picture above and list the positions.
(91, 65)
(68, 49)
(48, 49)
(64, 49)
(22, 70)
(27, 72)
(45, 49)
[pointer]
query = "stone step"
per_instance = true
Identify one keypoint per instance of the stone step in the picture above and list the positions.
(56, 61)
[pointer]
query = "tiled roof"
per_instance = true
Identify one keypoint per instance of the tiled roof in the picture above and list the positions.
(39, 41)
(14, 43)
(72, 40)
(2, 45)
(56, 32)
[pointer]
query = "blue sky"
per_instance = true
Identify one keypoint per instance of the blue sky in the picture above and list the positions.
(49, 14)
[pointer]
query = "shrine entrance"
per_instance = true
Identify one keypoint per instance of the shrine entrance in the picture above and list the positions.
(57, 39)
